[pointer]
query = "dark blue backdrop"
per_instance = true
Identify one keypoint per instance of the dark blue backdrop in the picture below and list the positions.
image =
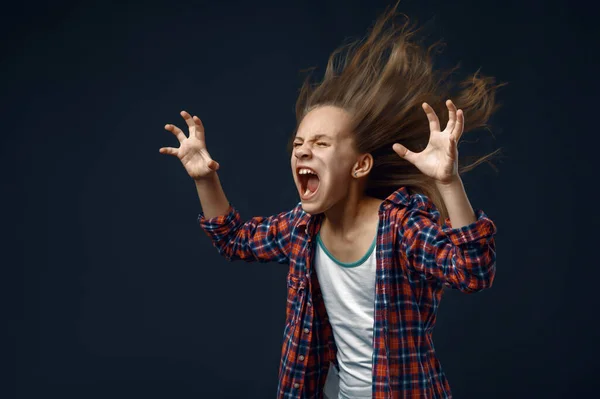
(112, 290)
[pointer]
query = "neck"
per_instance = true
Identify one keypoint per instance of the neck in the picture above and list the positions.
(350, 214)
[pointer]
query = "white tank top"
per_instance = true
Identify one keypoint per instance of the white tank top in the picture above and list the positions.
(348, 291)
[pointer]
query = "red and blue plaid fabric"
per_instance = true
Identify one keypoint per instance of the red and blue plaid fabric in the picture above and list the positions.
(417, 256)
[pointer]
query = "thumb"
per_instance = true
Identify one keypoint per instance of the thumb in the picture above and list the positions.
(213, 165)
(404, 152)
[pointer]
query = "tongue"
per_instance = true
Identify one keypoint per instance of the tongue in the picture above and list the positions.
(313, 183)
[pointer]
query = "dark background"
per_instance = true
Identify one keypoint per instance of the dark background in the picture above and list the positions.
(112, 289)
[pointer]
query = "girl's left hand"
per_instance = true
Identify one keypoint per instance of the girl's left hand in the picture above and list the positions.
(439, 160)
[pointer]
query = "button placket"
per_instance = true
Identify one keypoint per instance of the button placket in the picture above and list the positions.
(299, 285)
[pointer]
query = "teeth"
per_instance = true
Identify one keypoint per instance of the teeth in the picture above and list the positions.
(306, 172)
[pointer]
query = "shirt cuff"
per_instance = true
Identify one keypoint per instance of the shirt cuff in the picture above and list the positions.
(219, 225)
(483, 227)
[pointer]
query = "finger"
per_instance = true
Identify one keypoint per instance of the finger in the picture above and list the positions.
(460, 125)
(190, 122)
(451, 116)
(404, 152)
(434, 122)
(176, 131)
(199, 128)
(168, 151)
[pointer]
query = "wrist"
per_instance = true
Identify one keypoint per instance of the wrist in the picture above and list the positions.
(450, 185)
(206, 180)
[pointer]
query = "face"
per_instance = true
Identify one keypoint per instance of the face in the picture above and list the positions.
(323, 145)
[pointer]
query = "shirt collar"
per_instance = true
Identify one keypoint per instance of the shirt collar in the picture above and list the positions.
(310, 222)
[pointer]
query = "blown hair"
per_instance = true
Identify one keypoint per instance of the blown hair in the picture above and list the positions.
(382, 81)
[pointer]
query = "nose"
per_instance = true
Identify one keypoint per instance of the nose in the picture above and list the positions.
(302, 152)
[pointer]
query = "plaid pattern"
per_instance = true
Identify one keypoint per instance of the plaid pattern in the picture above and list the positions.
(416, 257)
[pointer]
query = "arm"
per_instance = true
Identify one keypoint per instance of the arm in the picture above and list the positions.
(455, 198)
(212, 197)
(462, 258)
(262, 239)
(259, 239)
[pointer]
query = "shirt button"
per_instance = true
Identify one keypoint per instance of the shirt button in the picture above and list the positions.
(296, 385)
(301, 357)
(306, 330)
(309, 304)
(307, 276)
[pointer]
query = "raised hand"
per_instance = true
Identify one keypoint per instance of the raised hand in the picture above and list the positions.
(192, 150)
(439, 160)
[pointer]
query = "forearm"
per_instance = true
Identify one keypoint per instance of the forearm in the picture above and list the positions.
(212, 197)
(263, 239)
(461, 258)
(455, 198)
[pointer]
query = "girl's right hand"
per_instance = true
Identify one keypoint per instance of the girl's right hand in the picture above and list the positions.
(192, 150)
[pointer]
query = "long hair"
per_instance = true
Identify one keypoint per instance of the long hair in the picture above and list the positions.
(382, 81)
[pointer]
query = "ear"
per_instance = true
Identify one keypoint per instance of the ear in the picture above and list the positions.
(364, 164)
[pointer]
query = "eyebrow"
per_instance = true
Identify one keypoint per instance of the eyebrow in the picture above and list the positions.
(315, 137)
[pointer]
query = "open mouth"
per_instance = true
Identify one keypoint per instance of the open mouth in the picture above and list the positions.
(309, 182)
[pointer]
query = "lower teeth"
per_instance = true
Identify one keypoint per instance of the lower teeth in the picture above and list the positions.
(307, 192)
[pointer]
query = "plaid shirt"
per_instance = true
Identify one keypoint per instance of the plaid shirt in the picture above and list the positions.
(416, 257)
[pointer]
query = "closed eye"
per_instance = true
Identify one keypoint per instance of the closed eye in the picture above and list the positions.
(319, 143)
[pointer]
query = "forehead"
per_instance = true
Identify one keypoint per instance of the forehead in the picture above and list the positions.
(324, 122)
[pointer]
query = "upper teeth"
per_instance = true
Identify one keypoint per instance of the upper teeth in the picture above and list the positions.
(305, 171)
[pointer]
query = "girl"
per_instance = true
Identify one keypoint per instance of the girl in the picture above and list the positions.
(383, 223)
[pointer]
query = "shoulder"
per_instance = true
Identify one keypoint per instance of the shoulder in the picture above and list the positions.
(416, 217)
(406, 204)
(295, 216)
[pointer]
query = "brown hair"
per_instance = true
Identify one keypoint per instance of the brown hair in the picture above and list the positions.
(382, 81)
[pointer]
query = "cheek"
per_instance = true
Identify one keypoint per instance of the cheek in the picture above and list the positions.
(340, 168)
(337, 176)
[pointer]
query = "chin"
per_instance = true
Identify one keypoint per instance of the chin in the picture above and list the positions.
(312, 208)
